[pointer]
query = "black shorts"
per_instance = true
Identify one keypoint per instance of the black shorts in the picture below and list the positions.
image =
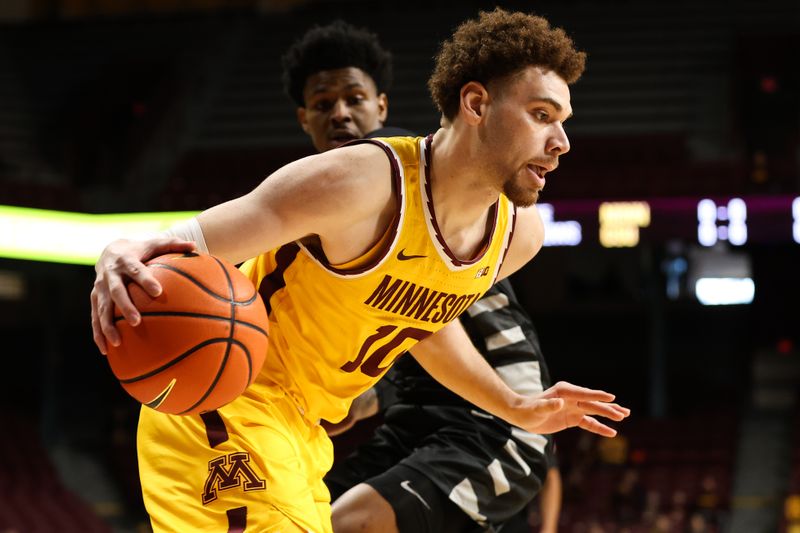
(434, 466)
(419, 505)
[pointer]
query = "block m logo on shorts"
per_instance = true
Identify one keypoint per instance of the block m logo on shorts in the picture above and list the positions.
(228, 472)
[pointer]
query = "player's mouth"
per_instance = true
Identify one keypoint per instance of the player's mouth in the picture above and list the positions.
(340, 137)
(537, 172)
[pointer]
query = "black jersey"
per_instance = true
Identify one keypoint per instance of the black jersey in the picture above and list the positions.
(502, 332)
(485, 466)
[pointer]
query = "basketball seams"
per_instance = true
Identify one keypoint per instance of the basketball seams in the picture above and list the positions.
(205, 289)
(232, 301)
(177, 359)
(211, 387)
(188, 314)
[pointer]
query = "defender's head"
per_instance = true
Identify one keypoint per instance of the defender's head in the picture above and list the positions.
(338, 75)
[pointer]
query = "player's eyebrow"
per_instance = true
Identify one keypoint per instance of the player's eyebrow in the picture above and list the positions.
(322, 88)
(548, 100)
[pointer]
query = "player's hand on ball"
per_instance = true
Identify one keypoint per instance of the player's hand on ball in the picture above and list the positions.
(565, 405)
(122, 262)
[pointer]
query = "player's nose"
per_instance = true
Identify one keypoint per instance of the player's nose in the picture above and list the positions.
(341, 111)
(558, 143)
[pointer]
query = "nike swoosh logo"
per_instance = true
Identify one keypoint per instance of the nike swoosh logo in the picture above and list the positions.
(158, 400)
(406, 485)
(401, 255)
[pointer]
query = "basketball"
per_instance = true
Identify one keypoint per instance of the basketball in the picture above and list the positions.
(199, 344)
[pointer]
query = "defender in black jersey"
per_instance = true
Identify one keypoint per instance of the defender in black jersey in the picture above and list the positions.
(442, 464)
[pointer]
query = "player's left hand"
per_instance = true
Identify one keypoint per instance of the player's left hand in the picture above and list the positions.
(565, 405)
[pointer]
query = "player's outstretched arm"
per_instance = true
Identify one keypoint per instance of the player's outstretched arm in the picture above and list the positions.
(451, 358)
(341, 196)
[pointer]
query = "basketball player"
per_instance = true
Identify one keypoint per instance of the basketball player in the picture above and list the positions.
(368, 250)
(337, 76)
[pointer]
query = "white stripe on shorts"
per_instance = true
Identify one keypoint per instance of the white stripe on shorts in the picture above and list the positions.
(464, 496)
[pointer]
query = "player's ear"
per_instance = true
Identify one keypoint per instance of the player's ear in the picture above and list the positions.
(302, 119)
(383, 107)
(474, 98)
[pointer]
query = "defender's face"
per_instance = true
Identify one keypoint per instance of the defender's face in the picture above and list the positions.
(341, 105)
(525, 130)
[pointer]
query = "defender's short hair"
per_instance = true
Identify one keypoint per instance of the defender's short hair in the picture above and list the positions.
(336, 45)
(498, 44)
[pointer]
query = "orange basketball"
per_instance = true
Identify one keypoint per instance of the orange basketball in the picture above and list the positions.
(200, 344)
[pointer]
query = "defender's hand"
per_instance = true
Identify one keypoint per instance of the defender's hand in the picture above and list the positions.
(122, 262)
(565, 405)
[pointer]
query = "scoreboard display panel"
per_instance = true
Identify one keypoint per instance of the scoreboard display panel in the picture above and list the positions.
(707, 221)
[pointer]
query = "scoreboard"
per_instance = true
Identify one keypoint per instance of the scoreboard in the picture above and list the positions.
(707, 221)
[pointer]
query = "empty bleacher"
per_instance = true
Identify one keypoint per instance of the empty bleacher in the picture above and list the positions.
(32, 497)
(677, 467)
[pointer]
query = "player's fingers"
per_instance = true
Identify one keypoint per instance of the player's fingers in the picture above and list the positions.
(592, 425)
(624, 411)
(97, 332)
(163, 245)
(601, 409)
(576, 392)
(142, 276)
(103, 310)
(105, 316)
(118, 294)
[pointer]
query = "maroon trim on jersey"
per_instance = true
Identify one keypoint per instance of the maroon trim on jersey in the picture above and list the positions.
(438, 234)
(273, 282)
(318, 253)
(216, 431)
(237, 519)
(510, 236)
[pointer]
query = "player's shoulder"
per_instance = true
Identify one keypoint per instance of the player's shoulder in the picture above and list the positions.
(355, 168)
(400, 144)
(526, 241)
(366, 178)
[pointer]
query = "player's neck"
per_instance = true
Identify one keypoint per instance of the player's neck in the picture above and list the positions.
(460, 193)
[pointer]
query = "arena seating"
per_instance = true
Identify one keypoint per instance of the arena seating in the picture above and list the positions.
(677, 467)
(790, 517)
(32, 497)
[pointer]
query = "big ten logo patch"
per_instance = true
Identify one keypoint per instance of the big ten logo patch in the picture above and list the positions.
(483, 272)
(228, 472)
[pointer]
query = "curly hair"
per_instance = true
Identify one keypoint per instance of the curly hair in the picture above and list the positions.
(498, 44)
(336, 45)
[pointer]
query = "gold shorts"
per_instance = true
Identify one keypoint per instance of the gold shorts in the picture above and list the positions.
(255, 464)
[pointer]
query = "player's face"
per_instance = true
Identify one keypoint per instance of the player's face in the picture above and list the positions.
(524, 130)
(341, 105)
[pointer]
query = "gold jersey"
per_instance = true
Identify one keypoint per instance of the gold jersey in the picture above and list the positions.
(336, 329)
